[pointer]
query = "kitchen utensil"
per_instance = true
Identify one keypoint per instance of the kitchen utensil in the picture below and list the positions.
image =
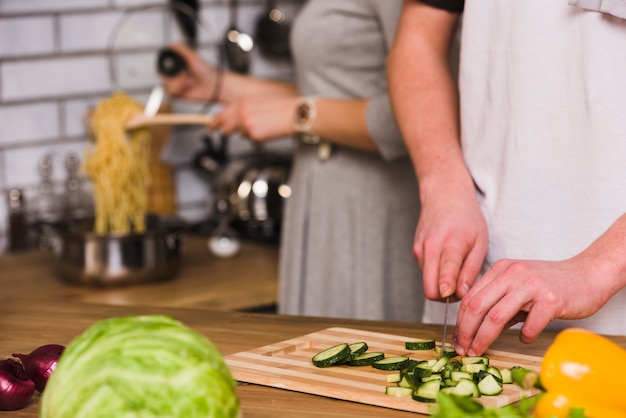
(143, 120)
(169, 63)
(153, 104)
(287, 365)
(445, 327)
(119, 259)
(237, 44)
(186, 13)
(272, 32)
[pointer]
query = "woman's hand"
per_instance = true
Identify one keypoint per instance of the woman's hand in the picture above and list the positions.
(258, 117)
(197, 82)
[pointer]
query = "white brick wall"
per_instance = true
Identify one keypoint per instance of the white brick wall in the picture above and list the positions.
(55, 59)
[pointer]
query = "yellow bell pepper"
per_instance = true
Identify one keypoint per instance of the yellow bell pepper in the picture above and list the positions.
(583, 370)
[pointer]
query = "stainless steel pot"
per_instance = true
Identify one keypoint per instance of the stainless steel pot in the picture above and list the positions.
(257, 193)
(118, 259)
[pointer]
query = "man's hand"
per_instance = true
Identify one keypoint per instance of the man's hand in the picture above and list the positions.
(533, 292)
(451, 237)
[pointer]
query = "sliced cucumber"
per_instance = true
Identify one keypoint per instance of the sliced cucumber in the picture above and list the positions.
(427, 392)
(391, 363)
(399, 392)
(407, 381)
(332, 356)
(366, 358)
(356, 349)
(474, 359)
(525, 378)
(431, 377)
(420, 345)
(489, 386)
(439, 364)
(455, 376)
(496, 372)
(423, 369)
(466, 387)
(448, 351)
(473, 368)
(394, 377)
(506, 375)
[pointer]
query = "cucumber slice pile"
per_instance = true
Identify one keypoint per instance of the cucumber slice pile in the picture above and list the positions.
(467, 377)
(422, 380)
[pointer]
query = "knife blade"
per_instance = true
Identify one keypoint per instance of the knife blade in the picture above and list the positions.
(445, 327)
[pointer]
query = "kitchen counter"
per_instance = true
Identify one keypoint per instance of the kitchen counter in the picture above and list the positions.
(26, 324)
(247, 281)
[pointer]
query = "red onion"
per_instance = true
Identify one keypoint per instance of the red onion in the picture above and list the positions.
(40, 363)
(16, 389)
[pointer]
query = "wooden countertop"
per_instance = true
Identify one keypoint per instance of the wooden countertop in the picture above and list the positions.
(246, 281)
(26, 324)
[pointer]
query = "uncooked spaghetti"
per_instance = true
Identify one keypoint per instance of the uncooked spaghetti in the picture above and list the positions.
(118, 167)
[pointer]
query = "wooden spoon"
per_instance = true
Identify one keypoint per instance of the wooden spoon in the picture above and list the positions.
(141, 120)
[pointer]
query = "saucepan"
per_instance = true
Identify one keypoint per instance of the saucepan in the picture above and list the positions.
(86, 258)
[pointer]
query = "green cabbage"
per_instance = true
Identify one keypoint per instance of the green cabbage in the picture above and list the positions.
(140, 367)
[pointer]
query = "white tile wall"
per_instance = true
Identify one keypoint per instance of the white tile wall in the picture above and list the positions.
(52, 78)
(21, 37)
(48, 6)
(55, 58)
(29, 122)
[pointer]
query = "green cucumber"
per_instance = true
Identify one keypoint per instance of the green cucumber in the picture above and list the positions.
(439, 364)
(448, 351)
(332, 356)
(366, 358)
(473, 368)
(506, 375)
(420, 345)
(391, 363)
(474, 359)
(489, 385)
(466, 387)
(427, 392)
(356, 349)
(398, 391)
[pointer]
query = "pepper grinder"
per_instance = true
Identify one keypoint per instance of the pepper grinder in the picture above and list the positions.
(77, 203)
(47, 205)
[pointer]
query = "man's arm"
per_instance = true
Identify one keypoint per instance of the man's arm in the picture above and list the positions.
(451, 237)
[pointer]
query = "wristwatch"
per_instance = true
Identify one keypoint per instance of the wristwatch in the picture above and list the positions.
(304, 118)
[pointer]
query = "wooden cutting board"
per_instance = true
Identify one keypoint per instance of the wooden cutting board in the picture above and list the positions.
(287, 365)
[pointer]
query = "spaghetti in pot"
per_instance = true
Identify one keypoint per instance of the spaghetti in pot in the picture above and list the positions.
(118, 167)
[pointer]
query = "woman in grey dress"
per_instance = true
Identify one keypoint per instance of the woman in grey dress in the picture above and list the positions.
(348, 227)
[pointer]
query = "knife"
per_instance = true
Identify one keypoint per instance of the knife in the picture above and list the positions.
(445, 328)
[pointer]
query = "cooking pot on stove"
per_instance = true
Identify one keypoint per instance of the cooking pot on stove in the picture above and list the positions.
(86, 258)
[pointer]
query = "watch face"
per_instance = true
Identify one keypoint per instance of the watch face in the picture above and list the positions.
(302, 113)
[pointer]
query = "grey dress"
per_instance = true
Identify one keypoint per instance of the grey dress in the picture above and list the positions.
(348, 231)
